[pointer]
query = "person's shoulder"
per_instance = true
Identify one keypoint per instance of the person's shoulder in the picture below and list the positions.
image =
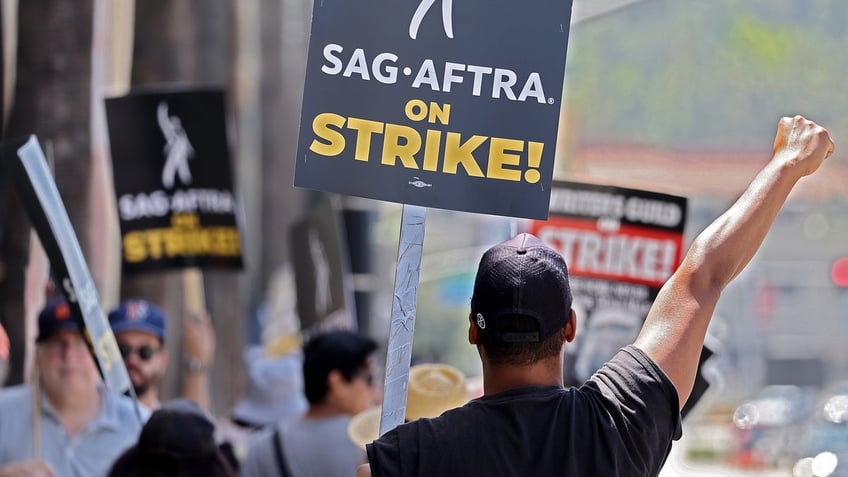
(11, 397)
(632, 373)
(260, 446)
(632, 356)
(262, 438)
(259, 458)
(127, 408)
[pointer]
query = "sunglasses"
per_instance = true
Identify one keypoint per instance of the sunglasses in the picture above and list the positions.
(366, 375)
(143, 352)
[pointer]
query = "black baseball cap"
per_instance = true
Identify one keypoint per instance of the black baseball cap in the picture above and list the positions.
(521, 276)
(56, 316)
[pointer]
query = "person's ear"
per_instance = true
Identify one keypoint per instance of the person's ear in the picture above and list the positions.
(334, 380)
(571, 326)
(473, 331)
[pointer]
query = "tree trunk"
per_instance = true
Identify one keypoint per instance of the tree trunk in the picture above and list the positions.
(52, 100)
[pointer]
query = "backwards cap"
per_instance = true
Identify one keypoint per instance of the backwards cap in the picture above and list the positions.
(521, 276)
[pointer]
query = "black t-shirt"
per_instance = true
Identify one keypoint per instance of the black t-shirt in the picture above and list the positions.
(619, 423)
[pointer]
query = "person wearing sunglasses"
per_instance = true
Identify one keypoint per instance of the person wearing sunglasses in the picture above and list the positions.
(139, 328)
(64, 422)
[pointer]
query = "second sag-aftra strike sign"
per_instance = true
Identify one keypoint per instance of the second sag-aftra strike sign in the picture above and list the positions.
(173, 184)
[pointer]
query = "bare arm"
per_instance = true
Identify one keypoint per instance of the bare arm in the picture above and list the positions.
(363, 470)
(199, 349)
(674, 330)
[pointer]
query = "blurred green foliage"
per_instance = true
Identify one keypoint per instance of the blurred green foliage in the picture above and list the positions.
(706, 74)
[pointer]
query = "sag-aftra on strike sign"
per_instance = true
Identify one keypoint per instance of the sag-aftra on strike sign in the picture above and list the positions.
(451, 104)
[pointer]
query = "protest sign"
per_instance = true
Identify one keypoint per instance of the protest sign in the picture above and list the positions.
(25, 163)
(620, 245)
(445, 104)
(322, 269)
(173, 184)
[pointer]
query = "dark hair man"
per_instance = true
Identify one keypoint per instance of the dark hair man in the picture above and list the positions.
(338, 384)
(623, 419)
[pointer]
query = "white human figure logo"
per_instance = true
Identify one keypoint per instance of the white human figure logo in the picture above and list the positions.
(323, 300)
(178, 149)
(423, 8)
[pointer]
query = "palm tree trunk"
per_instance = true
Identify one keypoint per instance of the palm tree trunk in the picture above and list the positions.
(52, 100)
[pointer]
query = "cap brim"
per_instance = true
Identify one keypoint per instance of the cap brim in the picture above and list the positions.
(135, 326)
(69, 325)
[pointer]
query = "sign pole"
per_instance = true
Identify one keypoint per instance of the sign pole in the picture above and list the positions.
(195, 293)
(399, 349)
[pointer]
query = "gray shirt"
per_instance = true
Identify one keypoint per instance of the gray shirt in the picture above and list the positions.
(311, 447)
(90, 453)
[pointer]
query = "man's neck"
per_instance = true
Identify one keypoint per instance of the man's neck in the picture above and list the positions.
(150, 399)
(503, 377)
(75, 410)
(321, 410)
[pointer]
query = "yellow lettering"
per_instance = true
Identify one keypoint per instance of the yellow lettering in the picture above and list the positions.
(393, 149)
(225, 242)
(106, 346)
(335, 142)
(364, 129)
(185, 220)
(154, 244)
(456, 154)
(135, 249)
(439, 113)
(441, 151)
(431, 150)
(174, 242)
(415, 109)
(499, 157)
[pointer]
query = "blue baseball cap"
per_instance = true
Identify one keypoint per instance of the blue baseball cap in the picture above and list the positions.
(138, 315)
(56, 316)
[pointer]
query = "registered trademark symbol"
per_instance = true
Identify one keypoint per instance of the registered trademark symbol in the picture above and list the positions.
(550, 100)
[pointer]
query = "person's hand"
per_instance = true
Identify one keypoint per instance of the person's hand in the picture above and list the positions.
(27, 468)
(802, 143)
(199, 340)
